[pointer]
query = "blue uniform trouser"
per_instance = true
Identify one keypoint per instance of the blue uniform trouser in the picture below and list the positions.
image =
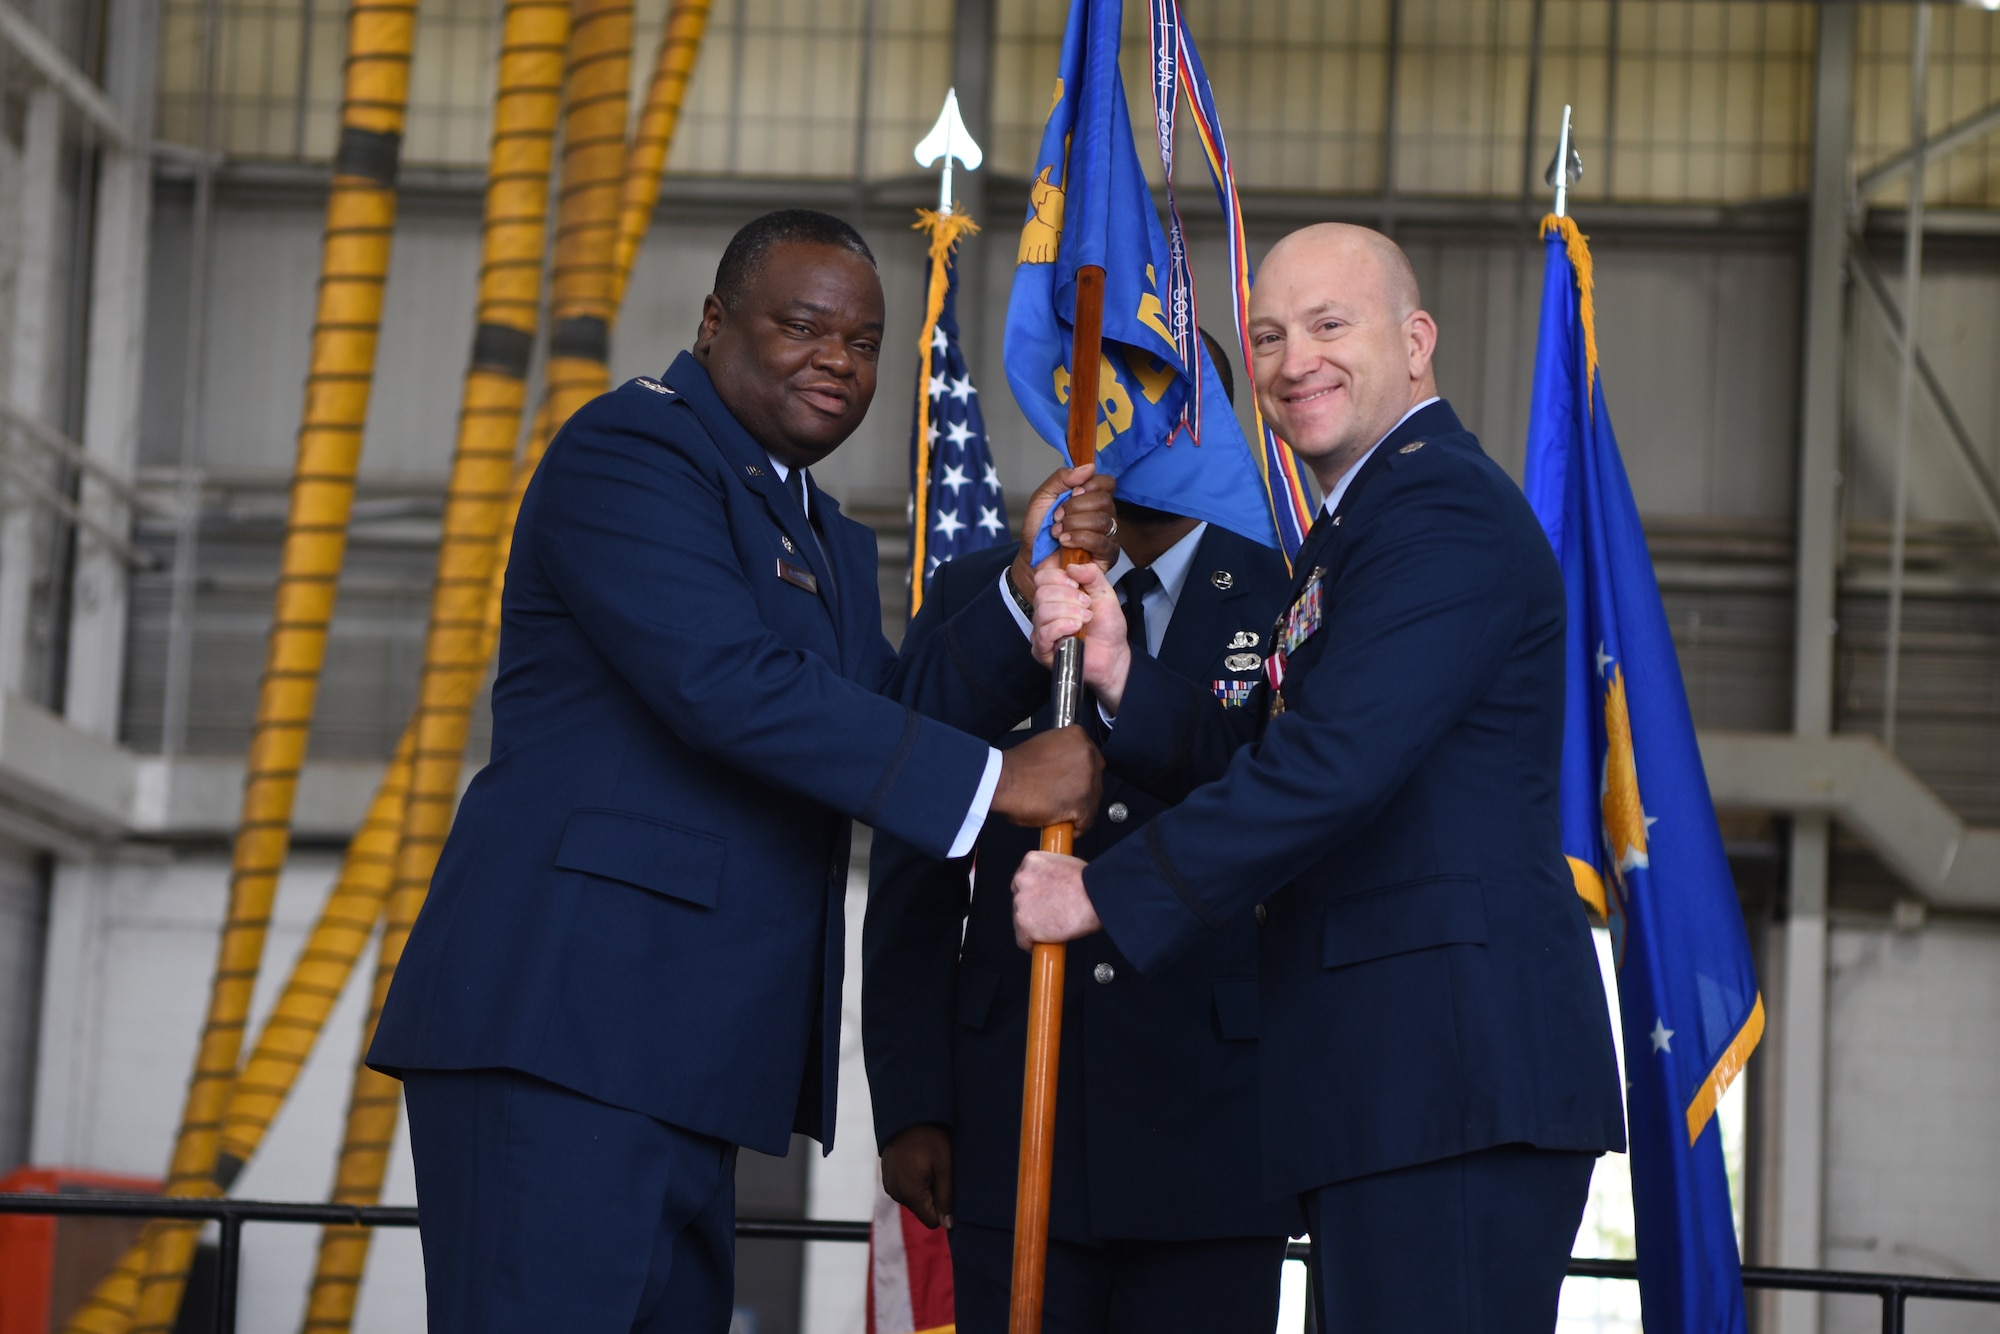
(1228, 1286)
(545, 1210)
(1475, 1244)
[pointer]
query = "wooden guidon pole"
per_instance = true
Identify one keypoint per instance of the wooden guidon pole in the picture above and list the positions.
(1045, 986)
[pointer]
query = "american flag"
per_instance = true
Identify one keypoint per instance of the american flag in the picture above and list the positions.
(961, 507)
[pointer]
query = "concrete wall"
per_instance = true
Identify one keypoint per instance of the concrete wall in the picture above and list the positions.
(24, 911)
(1913, 1077)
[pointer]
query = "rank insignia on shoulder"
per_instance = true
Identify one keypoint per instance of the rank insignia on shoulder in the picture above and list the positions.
(1243, 662)
(650, 383)
(1233, 694)
(1244, 639)
(1412, 447)
(1222, 579)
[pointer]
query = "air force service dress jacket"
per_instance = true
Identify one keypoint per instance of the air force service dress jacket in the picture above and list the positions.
(1156, 1110)
(640, 899)
(1428, 982)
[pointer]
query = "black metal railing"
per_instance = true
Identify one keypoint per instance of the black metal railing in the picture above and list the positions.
(1894, 1291)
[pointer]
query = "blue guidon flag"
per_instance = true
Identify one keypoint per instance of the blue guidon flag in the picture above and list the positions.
(956, 504)
(1639, 828)
(1165, 429)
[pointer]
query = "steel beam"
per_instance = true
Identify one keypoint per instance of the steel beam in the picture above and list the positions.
(1985, 488)
(1944, 141)
(972, 76)
(1873, 795)
(64, 77)
(32, 376)
(1795, 1170)
(113, 372)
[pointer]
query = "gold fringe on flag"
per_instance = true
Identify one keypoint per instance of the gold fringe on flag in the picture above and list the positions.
(1578, 246)
(945, 231)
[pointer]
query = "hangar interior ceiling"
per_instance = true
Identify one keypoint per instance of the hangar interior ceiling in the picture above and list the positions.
(1432, 117)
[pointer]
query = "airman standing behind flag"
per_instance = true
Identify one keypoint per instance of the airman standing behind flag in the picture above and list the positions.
(1158, 1219)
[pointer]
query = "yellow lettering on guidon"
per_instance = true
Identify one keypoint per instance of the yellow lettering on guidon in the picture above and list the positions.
(1151, 313)
(1114, 401)
(1155, 376)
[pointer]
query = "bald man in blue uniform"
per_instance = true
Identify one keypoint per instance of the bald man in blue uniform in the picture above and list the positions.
(630, 960)
(1437, 1072)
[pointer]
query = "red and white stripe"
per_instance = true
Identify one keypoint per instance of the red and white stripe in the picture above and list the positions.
(909, 1278)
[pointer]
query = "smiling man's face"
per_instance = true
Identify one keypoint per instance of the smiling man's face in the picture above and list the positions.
(795, 360)
(1338, 347)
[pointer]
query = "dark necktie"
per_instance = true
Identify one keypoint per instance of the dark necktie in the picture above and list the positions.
(795, 482)
(1134, 587)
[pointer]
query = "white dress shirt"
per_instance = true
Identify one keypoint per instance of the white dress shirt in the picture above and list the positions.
(1172, 568)
(1340, 487)
(989, 782)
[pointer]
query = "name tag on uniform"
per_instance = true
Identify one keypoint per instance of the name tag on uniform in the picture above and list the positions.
(796, 577)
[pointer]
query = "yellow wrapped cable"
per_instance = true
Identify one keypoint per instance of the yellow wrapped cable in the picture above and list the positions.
(583, 278)
(646, 159)
(535, 39)
(645, 165)
(320, 974)
(360, 218)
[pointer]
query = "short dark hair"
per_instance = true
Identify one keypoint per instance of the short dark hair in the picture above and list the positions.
(1223, 371)
(744, 258)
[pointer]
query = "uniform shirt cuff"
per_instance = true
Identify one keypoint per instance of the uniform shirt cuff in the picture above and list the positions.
(1013, 604)
(982, 802)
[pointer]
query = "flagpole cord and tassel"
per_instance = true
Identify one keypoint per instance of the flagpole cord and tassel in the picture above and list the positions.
(1045, 985)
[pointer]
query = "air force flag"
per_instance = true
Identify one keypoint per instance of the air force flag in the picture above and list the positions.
(1639, 828)
(1169, 444)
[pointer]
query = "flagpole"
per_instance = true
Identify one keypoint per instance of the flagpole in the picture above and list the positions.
(1045, 985)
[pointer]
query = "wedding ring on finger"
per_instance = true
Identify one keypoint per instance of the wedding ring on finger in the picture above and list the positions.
(1112, 531)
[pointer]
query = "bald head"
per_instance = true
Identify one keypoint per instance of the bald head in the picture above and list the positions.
(1367, 256)
(1340, 343)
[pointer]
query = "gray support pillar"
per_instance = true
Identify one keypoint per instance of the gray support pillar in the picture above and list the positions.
(1797, 1129)
(972, 77)
(112, 374)
(31, 373)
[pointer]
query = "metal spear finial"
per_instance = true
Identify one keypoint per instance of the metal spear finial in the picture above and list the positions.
(949, 139)
(1565, 168)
